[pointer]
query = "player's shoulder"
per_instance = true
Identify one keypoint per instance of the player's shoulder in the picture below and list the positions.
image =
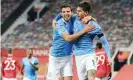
(14, 58)
(34, 58)
(97, 26)
(25, 58)
(4, 58)
(60, 24)
(99, 53)
(93, 22)
(60, 21)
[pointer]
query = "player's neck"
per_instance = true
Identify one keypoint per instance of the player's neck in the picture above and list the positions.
(10, 55)
(29, 57)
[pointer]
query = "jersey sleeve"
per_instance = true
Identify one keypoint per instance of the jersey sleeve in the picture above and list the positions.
(59, 16)
(106, 46)
(74, 16)
(60, 28)
(97, 30)
(36, 62)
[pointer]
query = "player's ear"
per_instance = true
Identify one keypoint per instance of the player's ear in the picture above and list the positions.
(86, 13)
(72, 10)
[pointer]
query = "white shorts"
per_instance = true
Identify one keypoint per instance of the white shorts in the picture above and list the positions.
(84, 63)
(51, 75)
(25, 78)
(106, 78)
(62, 65)
(9, 78)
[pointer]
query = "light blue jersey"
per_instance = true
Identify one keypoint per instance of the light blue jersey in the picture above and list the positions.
(84, 44)
(29, 71)
(60, 47)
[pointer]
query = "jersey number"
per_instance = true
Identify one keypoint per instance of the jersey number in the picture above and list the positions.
(100, 58)
(10, 65)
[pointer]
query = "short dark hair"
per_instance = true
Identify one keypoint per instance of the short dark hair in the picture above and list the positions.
(30, 49)
(66, 5)
(9, 50)
(85, 6)
(99, 45)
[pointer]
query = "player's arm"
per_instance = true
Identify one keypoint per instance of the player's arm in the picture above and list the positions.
(18, 65)
(86, 19)
(105, 43)
(54, 24)
(35, 64)
(21, 69)
(98, 31)
(72, 37)
(63, 32)
(59, 16)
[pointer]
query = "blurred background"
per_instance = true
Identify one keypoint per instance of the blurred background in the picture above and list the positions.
(27, 24)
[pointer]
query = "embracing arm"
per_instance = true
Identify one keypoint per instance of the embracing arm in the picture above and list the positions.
(59, 16)
(54, 24)
(74, 36)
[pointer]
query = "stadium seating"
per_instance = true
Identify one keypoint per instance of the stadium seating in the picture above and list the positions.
(7, 7)
(114, 18)
(117, 27)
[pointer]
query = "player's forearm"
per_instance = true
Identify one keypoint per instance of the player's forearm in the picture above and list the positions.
(106, 46)
(35, 67)
(54, 24)
(21, 70)
(72, 37)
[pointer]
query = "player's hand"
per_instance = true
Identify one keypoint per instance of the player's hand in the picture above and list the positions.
(30, 62)
(88, 28)
(86, 19)
(109, 61)
(19, 76)
(54, 24)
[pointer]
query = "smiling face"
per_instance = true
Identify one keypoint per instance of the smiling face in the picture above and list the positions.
(66, 13)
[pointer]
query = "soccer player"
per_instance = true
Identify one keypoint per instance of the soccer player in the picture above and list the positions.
(61, 50)
(103, 70)
(83, 46)
(9, 66)
(30, 66)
